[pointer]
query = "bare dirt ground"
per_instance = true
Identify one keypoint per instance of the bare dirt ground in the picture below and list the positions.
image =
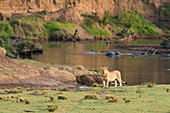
(32, 74)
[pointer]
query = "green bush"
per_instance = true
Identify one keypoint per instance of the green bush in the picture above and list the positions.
(135, 22)
(5, 29)
(107, 18)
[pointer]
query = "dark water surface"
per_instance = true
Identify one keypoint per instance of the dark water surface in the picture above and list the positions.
(135, 69)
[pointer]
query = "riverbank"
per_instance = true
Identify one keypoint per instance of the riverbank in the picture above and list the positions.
(140, 98)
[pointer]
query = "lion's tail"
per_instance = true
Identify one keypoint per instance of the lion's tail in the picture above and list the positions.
(124, 82)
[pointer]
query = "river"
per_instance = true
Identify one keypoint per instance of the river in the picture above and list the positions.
(135, 69)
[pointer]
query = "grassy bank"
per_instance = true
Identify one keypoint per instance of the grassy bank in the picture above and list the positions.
(133, 21)
(128, 99)
(29, 26)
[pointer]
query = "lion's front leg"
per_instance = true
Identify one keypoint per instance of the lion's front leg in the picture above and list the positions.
(104, 83)
(107, 84)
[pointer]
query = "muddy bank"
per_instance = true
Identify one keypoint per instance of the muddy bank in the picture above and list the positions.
(144, 48)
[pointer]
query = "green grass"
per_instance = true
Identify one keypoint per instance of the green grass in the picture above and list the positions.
(94, 29)
(134, 21)
(151, 100)
(55, 25)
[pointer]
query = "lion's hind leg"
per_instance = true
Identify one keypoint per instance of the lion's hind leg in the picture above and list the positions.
(116, 83)
(120, 82)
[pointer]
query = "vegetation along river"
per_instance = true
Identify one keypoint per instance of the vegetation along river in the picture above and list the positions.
(135, 69)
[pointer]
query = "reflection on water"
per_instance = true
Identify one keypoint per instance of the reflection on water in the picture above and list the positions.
(135, 69)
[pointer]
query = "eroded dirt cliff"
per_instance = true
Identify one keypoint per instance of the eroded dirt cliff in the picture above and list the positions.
(72, 9)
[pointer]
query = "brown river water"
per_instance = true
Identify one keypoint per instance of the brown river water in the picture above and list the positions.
(135, 69)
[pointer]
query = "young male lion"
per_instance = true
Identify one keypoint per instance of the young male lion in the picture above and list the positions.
(111, 76)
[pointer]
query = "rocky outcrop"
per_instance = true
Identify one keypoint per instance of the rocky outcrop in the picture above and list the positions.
(71, 10)
(31, 74)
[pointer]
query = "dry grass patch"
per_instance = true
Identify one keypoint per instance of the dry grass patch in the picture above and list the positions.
(115, 99)
(107, 97)
(92, 96)
(61, 97)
